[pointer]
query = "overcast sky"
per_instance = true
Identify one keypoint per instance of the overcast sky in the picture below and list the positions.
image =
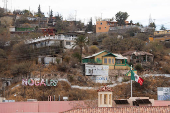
(138, 10)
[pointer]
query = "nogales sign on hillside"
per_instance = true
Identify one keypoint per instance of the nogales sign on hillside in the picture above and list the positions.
(31, 82)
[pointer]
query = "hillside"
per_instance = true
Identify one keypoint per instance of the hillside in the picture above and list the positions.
(122, 91)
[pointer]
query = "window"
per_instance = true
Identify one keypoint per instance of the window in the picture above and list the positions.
(117, 61)
(98, 59)
(105, 60)
(101, 23)
(67, 43)
(99, 28)
(109, 60)
(113, 61)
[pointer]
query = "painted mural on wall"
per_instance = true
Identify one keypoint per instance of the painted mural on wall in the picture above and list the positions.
(97, 70)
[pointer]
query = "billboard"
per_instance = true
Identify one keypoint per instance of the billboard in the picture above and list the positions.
(163, 93)
(97, 70)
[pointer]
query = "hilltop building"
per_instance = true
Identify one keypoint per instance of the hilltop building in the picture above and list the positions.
(161, 35)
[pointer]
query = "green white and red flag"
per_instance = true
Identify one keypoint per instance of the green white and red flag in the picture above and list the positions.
(136, 78)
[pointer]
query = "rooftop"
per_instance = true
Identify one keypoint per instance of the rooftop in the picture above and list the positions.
(144, 109)
(137, 53)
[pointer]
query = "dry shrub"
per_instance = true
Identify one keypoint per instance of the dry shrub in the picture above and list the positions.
(74, 63)
(165, 69)
(166, 58)
(67, 59)
(63, 67)
(93, 49)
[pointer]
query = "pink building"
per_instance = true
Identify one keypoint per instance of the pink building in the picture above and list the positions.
(59, 106)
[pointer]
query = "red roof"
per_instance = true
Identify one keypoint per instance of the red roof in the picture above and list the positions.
(105, 88)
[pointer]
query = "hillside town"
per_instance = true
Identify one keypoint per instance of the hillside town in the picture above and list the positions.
(56, 65)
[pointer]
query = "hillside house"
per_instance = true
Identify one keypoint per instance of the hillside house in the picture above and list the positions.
(103, 26)
(138, 56)
(65, 41)
(161, 35)
(115, 61)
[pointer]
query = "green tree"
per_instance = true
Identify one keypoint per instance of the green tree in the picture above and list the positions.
(51, 14)
(39, 10)
(59, 17)
(121, 18)
(1, 12)
(27, 13)
(131, 22)
(138, 24)
(81, 42)
(60, 25)
(89, 26)
(152, 24)
(131, 32)
(162, 27)
(39, 13)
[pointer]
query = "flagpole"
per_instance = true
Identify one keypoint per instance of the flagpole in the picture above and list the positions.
(131, 81)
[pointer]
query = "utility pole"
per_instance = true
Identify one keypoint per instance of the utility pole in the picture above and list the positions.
(49, 11)
(29, 11)
(75, 16)
(5, 4)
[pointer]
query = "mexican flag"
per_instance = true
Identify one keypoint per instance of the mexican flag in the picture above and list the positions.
(136, 78)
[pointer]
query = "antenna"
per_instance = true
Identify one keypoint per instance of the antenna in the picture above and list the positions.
(5, 4)
(101, 16)
(150, 19)
(11, 5)
(49, 11)
(75, 14)
(29, 10)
